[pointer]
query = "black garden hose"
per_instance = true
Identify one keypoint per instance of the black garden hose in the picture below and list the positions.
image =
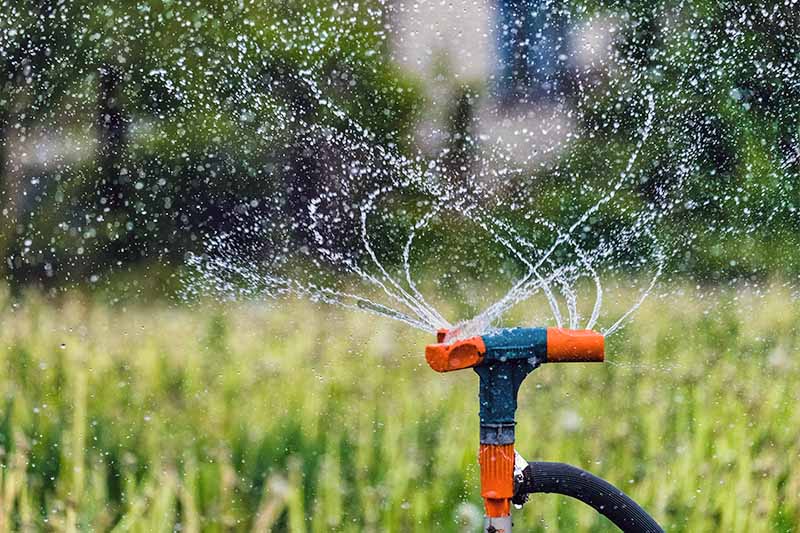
(607, 500)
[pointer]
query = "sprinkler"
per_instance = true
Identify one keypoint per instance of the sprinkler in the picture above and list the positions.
(502, 360)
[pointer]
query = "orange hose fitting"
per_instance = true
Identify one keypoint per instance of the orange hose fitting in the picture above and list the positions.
(574, 345)
(497, 478)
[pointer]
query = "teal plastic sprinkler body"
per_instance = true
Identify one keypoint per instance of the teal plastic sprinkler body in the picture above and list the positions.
(503, 360)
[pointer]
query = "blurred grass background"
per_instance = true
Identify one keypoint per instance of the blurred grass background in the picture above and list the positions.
(247, 418)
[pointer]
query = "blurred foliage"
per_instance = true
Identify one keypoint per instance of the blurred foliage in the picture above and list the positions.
(150, 418)
(725, 84)
(148, 110)
(155, 90)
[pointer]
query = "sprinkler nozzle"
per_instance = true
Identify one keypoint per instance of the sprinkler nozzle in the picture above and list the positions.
(455, 356)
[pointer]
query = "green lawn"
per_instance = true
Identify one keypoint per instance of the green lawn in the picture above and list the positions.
(303, 418)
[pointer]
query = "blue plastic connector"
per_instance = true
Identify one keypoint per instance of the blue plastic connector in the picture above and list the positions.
(511, 355)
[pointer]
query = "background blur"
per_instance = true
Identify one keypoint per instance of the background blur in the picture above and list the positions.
(132, 130)
(113, 166)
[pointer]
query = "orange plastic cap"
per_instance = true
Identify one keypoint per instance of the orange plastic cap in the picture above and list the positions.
(575, 345)
(455, 356)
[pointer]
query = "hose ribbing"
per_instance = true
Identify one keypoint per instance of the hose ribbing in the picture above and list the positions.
(560, 478)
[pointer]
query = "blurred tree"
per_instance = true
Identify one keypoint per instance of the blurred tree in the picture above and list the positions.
(180, 99)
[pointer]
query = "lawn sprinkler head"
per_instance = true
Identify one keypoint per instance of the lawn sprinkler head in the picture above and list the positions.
(536, 345)
(502, 360)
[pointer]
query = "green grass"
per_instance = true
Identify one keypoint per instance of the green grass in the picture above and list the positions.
(299, 418)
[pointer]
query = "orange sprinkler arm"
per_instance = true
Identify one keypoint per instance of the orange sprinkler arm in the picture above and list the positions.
(575, 346)
(460, 354)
